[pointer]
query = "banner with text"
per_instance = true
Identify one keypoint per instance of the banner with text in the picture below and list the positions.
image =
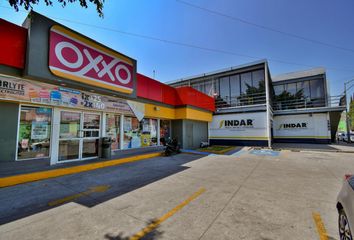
(41, 93)
(242, 126)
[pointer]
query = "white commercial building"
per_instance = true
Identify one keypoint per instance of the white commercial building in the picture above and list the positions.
(255, 108)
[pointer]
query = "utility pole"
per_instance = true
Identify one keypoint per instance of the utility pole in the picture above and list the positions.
(346, 110)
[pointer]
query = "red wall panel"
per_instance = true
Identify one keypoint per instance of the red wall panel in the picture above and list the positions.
(190, 96)
(154, 90)
(169, 95)
(13, 41)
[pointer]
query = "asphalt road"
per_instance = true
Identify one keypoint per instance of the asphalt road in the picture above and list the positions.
(250, 195)
(87, 188)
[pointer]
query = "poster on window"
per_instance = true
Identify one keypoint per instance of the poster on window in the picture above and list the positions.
(39, 130)
(127, 124)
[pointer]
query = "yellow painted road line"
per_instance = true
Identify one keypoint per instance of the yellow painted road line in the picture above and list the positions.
(102, 188)
(322, 232)
(155, 224)
(31, 177)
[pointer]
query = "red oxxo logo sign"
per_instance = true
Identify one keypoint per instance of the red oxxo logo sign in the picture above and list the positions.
(74, 57)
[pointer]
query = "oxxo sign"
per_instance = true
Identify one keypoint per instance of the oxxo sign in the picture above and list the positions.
(74, 57)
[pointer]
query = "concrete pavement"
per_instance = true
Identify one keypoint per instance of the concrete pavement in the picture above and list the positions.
(247, 196)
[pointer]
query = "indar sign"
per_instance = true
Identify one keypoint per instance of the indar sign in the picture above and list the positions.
(76, 58)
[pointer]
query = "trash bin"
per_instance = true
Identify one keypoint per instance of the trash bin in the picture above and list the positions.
(106, 147)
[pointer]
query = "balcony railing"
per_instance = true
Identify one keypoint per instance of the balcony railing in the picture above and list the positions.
(260, 99)
(331, 101)
(240, 101)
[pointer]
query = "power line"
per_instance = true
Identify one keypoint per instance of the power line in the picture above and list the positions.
(197, 47)
(191, 45)
(264, 27)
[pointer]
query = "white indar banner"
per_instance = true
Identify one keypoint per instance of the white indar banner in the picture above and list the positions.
(302, 126)
(242, 126)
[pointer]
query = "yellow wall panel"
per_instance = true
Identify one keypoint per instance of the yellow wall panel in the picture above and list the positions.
(193, 114)
(156, 111)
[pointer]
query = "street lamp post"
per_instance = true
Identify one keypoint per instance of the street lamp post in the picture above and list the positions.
(346, 110)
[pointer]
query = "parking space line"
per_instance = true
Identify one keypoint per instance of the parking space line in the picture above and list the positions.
(155, 224)
(322, 232)
(102, 188)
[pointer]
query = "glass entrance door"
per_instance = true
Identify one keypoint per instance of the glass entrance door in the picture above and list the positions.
(91, 133)
(78, 135)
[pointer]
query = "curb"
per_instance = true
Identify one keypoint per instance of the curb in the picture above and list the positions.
(315, 150)
(36, 176)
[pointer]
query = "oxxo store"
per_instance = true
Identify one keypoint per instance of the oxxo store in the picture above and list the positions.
(69, 92)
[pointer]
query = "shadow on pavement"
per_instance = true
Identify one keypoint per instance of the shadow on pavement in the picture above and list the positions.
(23, 200)
(153, 234)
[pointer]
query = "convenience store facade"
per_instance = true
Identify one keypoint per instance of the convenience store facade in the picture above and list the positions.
(61, 93)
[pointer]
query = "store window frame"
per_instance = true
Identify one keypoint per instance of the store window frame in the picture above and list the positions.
(81, 138)
(169, 129)
(104, 128)
(157, 132)
(140, 133)
(18, 131)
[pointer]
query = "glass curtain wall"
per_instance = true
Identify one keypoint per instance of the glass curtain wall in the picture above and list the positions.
(246, 82)
(224, 93)
(235, 89)
(205, 86)
(308, 93)
(240, 89)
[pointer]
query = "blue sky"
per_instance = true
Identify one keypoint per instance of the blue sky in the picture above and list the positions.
(324, 20)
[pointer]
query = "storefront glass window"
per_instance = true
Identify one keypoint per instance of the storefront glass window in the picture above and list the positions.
(149, 132)
(69, 124)
(132, 133)
(91, 127)
(225, 89)
(291, 88)
(278, 89)
(208, 87)
(112, 129)
(139, 134)
(199, 86)
(216, 87)
(317, 89)
(304, 87)
(34, 132)
(165, 130)
(246, 82)
(258, 79)
(235, 86)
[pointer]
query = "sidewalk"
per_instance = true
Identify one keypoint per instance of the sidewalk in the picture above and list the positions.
(12, 173)
(335, 147)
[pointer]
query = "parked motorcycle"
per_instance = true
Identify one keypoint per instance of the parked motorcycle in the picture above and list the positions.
(172, 147)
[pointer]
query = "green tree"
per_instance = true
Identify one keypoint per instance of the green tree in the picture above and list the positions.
(28, 4)
(290, 101)
(253, 94)
(351, 113)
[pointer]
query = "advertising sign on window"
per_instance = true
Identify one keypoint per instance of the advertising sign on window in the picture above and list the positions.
(42, 93)
(39, 130)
